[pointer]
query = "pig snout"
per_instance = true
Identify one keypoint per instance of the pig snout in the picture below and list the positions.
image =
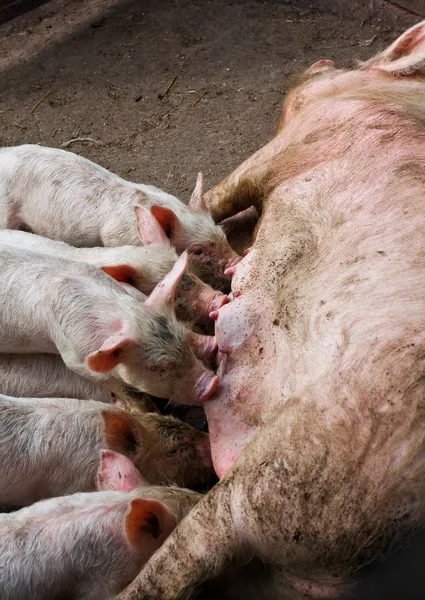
(199, 384)
(207, 301)
(204, 346)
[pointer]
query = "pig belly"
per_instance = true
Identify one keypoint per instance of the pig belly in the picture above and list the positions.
(236, 412)
(228, 429)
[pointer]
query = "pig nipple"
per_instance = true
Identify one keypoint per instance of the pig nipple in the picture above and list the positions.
(218, 301)
(230, 268)
(207, 386)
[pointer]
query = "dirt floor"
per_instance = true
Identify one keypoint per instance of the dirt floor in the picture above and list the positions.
(164, 89)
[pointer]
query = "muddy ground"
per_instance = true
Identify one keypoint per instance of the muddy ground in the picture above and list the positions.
(102, 69)
(165, 88)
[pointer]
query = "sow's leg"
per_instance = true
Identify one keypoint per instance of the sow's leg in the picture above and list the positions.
(244, 187)
(307, 495)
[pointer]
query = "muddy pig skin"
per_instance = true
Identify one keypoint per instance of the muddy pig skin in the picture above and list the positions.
(88, 546)
(50, 447)
(53, 305)
(318, 429)
(140, 266)
(63, 196)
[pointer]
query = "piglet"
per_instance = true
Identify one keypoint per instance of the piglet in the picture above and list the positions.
(50, 447)
(47, 376)
(54, 305)
(142, 267)
(88, 545)
(66, 197)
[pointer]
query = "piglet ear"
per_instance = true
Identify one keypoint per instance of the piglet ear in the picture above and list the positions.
(121, 273)
(163, 293)
(196, 201)
(122, 403)
(117, 472)
(147, 518)
(149, 228)
(167, 219)
(110, 354)
(406, 56)
(120, 431)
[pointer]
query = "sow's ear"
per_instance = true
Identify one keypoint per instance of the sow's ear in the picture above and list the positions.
(110, 354)
(406, 56)
(117, 472)
(146, 518)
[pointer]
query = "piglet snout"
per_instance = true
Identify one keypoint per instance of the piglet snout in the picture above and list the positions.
(206, 385)
(210, 300)
(204, 346)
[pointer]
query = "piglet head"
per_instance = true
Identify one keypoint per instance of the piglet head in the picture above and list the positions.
(157, 357)
(177, 452)
(194, 229)
(151, 513)
(196, 299)
(211, 255)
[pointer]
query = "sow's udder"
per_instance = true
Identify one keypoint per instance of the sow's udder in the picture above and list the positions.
(234, 412)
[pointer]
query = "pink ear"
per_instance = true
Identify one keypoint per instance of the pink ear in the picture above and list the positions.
(149, 228)
(163, 293)
(121, 273)
(166, 218)
(196, 201)
(110, 354)
(117, 472)
(405, 56)
(147, 518)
